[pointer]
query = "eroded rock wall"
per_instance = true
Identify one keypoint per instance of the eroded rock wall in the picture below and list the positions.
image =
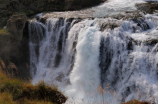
(14, 46)
(30, 7)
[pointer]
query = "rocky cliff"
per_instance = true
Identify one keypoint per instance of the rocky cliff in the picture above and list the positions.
(14, 38)
(30, 7)
(14, 46)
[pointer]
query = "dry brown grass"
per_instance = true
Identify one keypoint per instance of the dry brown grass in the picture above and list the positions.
(136, 102)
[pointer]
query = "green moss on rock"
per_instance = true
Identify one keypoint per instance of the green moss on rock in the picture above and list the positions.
(4, 32)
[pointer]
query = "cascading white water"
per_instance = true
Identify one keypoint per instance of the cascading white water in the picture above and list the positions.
(84, 55)
(35, 42)
(132, 62)
(53, 61)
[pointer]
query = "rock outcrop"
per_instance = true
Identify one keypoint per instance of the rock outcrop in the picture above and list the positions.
(30, 7)
(14, 46)
(148, 7)
(16, 24)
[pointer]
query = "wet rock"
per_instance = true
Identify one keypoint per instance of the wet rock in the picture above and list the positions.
(108, 25)
(69, 19)
(60, 77)
(43, 20)
(128, 15)
(57, 60)
(148, 7)
(141, 23)
(151, 42)
(106, 61)
(130, 45)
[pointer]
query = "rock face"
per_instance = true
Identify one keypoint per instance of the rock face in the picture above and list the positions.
(30, 7)
(148, 7)
(78, 4)
(5, 37)
(14, 46)
(16, 24)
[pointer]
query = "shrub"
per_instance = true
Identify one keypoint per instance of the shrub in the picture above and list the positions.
(20, 91)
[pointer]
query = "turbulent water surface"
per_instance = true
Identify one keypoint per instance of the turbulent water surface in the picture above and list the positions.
(97, 60)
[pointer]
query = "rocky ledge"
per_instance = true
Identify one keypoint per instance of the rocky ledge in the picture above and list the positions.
(148, 7)
(30, 7)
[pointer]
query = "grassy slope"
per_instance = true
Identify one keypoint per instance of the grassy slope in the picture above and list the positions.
(15, 91)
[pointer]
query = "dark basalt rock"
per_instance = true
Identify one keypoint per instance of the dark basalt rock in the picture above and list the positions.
(106, 61)
(151, 42)
(108, 25)
(43, 20)
(148, 7)
(141, 23)
(128, 15)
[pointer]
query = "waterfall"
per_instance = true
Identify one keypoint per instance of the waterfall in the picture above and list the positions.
(97, 60)
(36, 32)
(53, 60)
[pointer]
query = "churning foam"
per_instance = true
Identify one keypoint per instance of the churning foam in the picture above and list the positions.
(85, 76)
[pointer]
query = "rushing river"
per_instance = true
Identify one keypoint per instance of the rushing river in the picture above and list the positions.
(97, 60)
